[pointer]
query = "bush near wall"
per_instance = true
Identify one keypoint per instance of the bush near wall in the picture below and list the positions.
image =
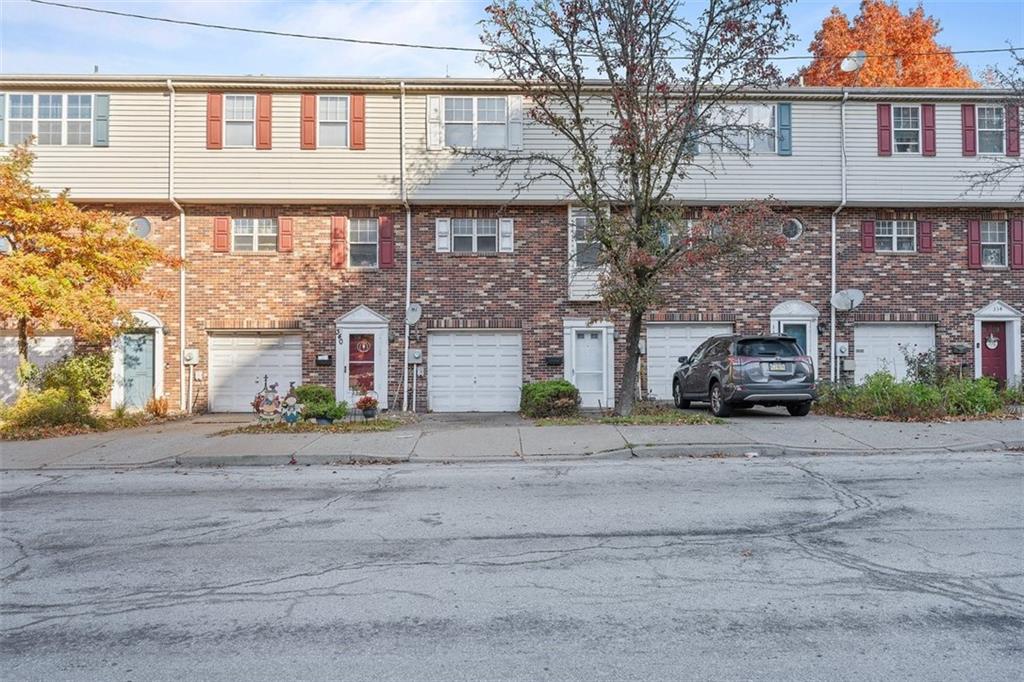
(553, 398)
(880, 396)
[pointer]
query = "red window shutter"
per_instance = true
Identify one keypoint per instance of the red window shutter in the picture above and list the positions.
(1012, 130)
(264, 119)
(357, 121)
(924, 237)
(307, 122)
(885, 130)
(928, 129)
(222, 234)
(286, 235)
(386, 241)
(974, 244)
(867, 236)
(968, 130)
(1017, 243)
(215, 120)
(339, 237)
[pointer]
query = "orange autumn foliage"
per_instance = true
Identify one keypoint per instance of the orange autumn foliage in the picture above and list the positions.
(881, 30)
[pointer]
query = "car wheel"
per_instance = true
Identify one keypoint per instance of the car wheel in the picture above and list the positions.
(799, 409)
(677, 396)
(719, 407)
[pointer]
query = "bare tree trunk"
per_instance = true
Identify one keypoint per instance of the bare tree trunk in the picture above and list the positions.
(626, 398)
(23, 339)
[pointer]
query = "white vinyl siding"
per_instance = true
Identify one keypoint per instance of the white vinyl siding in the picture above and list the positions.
(254, 234)
(476, 122)
(474, 371)
(239, 120)
(362, 242)
(55, 119)
(906, 129)
(896, 235)
(991, 129)
(332, 121)
(993, 243)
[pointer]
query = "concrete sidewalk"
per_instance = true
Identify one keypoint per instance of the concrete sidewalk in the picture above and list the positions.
(480, 437)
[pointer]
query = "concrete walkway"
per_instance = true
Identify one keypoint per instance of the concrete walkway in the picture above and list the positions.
(479, 437)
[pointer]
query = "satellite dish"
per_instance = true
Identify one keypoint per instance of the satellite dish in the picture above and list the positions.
(413, 313)
(854, 61)
(847, 299)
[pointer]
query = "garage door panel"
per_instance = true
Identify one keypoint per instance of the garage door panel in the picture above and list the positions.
(42, 351)
(239, 363)
(880, 347)
(474, 371)
(666, 342)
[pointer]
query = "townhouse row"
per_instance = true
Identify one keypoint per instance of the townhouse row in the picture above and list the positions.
(312, 213)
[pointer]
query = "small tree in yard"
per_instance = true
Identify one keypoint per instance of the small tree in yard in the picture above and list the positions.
(621, 143)
(62, 266)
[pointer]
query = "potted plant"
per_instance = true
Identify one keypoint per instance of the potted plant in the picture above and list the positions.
(338, 412)
(368, 404)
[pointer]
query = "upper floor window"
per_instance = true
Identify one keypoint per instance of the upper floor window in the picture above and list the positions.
(993, 243)
(896, 235)
(480, 122)
(239, 120)
(254, 234)
(906, 129)
(332, 121)
(991, 129)
(747, 127)
(475, 235)
(54, 119)
(363, 235)
(587, 250)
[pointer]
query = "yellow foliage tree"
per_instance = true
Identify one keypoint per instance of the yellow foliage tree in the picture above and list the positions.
(62, 266)
(901, 47)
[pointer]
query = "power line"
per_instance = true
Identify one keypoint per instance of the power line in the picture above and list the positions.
(449, 48)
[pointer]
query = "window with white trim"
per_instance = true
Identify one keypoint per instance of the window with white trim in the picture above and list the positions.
(896, 235)
(332, 121)
(363, 234)
(906, 129)
(993, 243)
(476, 122)
(746, 127)
(239, 120)
(587, 251)
(54, 119)
(254, 234)
(991, 130)
(475, 235)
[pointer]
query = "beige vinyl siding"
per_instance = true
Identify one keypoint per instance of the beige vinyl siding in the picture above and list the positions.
(133, 167)
(286, 172)
(913, 179)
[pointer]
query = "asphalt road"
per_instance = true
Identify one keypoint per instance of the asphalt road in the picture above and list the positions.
(855, 568)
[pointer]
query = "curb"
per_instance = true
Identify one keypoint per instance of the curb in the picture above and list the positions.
(281, 460)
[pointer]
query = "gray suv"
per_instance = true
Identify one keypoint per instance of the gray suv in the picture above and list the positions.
(742, 371)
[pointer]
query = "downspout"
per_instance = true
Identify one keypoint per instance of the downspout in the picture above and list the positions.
(185, 400)
(408, 243)
(833, 371)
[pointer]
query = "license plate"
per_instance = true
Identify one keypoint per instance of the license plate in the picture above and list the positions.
(776, 367)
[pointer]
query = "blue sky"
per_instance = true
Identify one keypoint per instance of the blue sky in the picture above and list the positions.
(42, 39)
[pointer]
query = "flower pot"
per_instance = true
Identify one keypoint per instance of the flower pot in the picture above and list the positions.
(370, 412)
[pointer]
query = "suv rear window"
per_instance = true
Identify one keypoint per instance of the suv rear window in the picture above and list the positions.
(767, 347)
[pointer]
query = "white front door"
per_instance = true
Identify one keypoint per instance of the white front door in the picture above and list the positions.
(588, 366)
(362, 364)
(881, 347)
(474, 371)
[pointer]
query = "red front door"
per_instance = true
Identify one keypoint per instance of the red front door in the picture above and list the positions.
(993, 351)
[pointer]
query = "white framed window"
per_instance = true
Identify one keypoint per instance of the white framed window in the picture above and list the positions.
(363, 236)
(239, 120)
(55, 119)
(991, 130)
(586, 250)
(896, 236)
(332, 121)
(906, 129)
(476, 122)
(993, 243)
(254, 234)
(475, 235)
(749, 127)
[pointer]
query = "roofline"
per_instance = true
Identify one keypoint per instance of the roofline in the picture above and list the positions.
(201, 82)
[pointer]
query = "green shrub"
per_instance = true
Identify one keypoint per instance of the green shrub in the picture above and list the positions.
(49, 407)
(85, 377)
(553, 398)
(309, 394)
(1014, 395)
(325, 410)
(972, 396)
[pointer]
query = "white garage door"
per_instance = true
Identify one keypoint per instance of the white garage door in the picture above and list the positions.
(665, 343)
(474, 371)
(42, 350)
(880, 347)
(238, 363)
